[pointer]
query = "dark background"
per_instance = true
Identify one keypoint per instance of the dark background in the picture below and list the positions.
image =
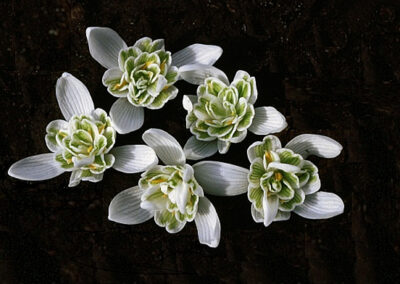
(331, 67)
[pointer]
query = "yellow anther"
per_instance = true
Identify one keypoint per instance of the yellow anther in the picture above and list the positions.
(157, 181)
(278, 176)
(90, 149)
(62, 133)
(101, 128)
(69, 161)
(119, 85)
(162, 66)
(92, 167)
(268, 156)
(230, 122)
(147, 64)
(165, 196)
(165, 87)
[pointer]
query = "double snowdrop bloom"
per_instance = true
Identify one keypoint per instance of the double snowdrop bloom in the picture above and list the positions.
(143, 75)
(222, 113)
(82, 143)
(170, 193)
(280, 180)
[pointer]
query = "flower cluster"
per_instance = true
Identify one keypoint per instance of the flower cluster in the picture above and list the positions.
(280, 180)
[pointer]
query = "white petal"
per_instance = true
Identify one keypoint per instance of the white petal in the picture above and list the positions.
(166, 147)
(188, 101)
(75, 178)
(73, 97)
(320, 205)
(197, 54)
(104, 45)
(270, 206)
(38, 167)
(125, 207)
(125, 116)
(267, 120)
(282, 216)
(188, 173)
(83, 161)
(114, 74)
(314, 144)
(197, 73)
(284, 167)
(181, 196)
(207, 223)
(312, 187)
(195, 149)
(57, 124)
(276, 144)
(134, 158)
(257, 216)
(221, 179)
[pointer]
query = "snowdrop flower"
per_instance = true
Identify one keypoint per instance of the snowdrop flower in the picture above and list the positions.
(143, 75)
(222, 113)
(82, 143)
(280, 180)
(170, 194)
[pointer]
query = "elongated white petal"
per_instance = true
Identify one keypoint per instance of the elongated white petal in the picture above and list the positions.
(73, 97)
(267, 120)
(166, 147)
(188, 101)
(134, 158)
(195, 149)
(104, 45)
(38, 167)
(197, 54)
(270, 206)
(125, 207)
(207, 223)
(320, 205)
(284, 167)
(221, 179)
(197, 73)
(125, 116)
(314, 144)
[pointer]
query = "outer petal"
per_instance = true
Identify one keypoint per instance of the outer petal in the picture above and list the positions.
(195, 149)
(314, 144)
(104, 45)
(320, 205)
(197, 73)
(73, 97)
(165, 146)
(197, 54)
(257, 216)
(125, 207)
(207, 223)
(188, 101)
(270, 206)
(267, 120)
(111, 75)
(125, 116)
(221, 179)
(38, 167)
(134, 158)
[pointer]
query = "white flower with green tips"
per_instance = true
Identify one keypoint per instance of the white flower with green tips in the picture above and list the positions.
(280, 180)
(222, 113)
(143, 75)
(170, 194)
(82, 143)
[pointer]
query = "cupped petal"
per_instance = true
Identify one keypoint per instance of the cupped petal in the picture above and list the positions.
(52, 130)
(197, 73)
(312, 185)
(257, 149)
(257, 216)
(314, 144)
(195, 149)
(320, 205)
(105, 45)
(38, 167)
(207, 223)
(221, 179)
(166, 147)
(267, 120)
(284, 167)
(188, 101)
(125, 116)
(111, 79)
(270, 206)
(197, 54)
(134, 158)
(125, 207)
(73, 97)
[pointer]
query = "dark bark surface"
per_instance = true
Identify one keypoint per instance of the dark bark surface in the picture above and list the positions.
(331, 67)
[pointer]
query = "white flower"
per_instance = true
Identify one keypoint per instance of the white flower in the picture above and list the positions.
(280, 180)
(222, 113)
(169, 193)
(143, 75)
(82, 143)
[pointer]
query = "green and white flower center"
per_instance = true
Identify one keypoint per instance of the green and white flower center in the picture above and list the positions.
(173, 193)
(146, 76)
(83, 143)
(279, 174)
(223, 112)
